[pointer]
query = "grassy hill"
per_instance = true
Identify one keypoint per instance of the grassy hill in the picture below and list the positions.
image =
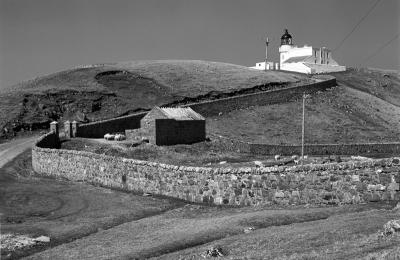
(108, 90)
(365, 107)
(113, 224)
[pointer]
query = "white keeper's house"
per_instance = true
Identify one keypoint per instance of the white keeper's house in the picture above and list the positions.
(307, 59)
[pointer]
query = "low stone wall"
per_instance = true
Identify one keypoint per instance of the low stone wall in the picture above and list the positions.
(138, 134)
(100, 128)
(228, 144)
(309, 149)
(49, 140)
(210, 108)
(327, 149)
(338, 183)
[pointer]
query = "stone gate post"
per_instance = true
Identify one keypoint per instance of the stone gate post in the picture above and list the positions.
(67, 129)
(75, 128)
(54, 127)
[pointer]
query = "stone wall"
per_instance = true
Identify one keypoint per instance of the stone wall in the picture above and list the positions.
(327, 149)
(230, 144)
(49, 140)
(211, 108)
(309, 149)
(214, 107)
(336, 183)
(138, 134)
(100, 128)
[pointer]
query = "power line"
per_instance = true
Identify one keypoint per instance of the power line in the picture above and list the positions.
(358, 23)
(381, 48)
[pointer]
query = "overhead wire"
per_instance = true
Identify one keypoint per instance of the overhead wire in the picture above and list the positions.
(356, 26)
(381, 48)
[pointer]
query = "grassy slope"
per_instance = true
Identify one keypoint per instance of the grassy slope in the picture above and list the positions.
(191, 78)
(144, 84)
(384, 84)
(195, 225)
(348, 236)
(363, 109)
(199, 154)
(63, 210)
(356, 111)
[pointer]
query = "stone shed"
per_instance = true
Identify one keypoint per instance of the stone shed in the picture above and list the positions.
(170, 126)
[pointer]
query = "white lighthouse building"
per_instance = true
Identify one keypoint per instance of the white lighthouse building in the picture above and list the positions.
(307, 59)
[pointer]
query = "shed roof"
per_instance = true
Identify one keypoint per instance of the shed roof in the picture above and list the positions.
(180, 113)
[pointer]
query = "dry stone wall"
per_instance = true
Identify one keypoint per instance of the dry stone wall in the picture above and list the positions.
(49, 140)
(100, 128)
(327, 149)
(337, 183)
(214, 107)
(309, 149)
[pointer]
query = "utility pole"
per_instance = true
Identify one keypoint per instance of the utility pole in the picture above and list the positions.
(266, 54)
(302, 129)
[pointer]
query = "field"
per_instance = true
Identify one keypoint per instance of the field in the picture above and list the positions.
(62, 210)
(353, 112)
(208, 153)
(87, 222)
(110, 90)
(188, 232)
(363, 108)
(343, 236)
(199, 154)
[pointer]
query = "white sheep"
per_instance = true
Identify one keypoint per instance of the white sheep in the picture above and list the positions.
(109, 136)
(258, 164)
(119, 137)
(277, 157)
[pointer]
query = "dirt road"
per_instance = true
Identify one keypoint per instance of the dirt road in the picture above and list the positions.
(11, 149)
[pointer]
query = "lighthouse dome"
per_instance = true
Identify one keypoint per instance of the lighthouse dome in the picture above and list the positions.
(286, 38)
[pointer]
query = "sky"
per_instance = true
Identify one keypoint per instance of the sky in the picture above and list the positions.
(45, 36)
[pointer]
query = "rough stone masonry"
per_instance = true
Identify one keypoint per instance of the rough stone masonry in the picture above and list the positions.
(323, 184)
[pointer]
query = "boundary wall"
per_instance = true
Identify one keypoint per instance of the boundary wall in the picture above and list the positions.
(309, 149)
(327, 149)
(210, 108)
(323, 184)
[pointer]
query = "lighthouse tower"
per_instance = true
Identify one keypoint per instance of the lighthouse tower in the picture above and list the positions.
(286, 45)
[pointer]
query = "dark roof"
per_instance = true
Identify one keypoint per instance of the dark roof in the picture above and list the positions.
(180, 113)
(286, 35)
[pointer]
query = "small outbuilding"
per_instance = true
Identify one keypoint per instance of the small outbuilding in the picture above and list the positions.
(170, 126)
